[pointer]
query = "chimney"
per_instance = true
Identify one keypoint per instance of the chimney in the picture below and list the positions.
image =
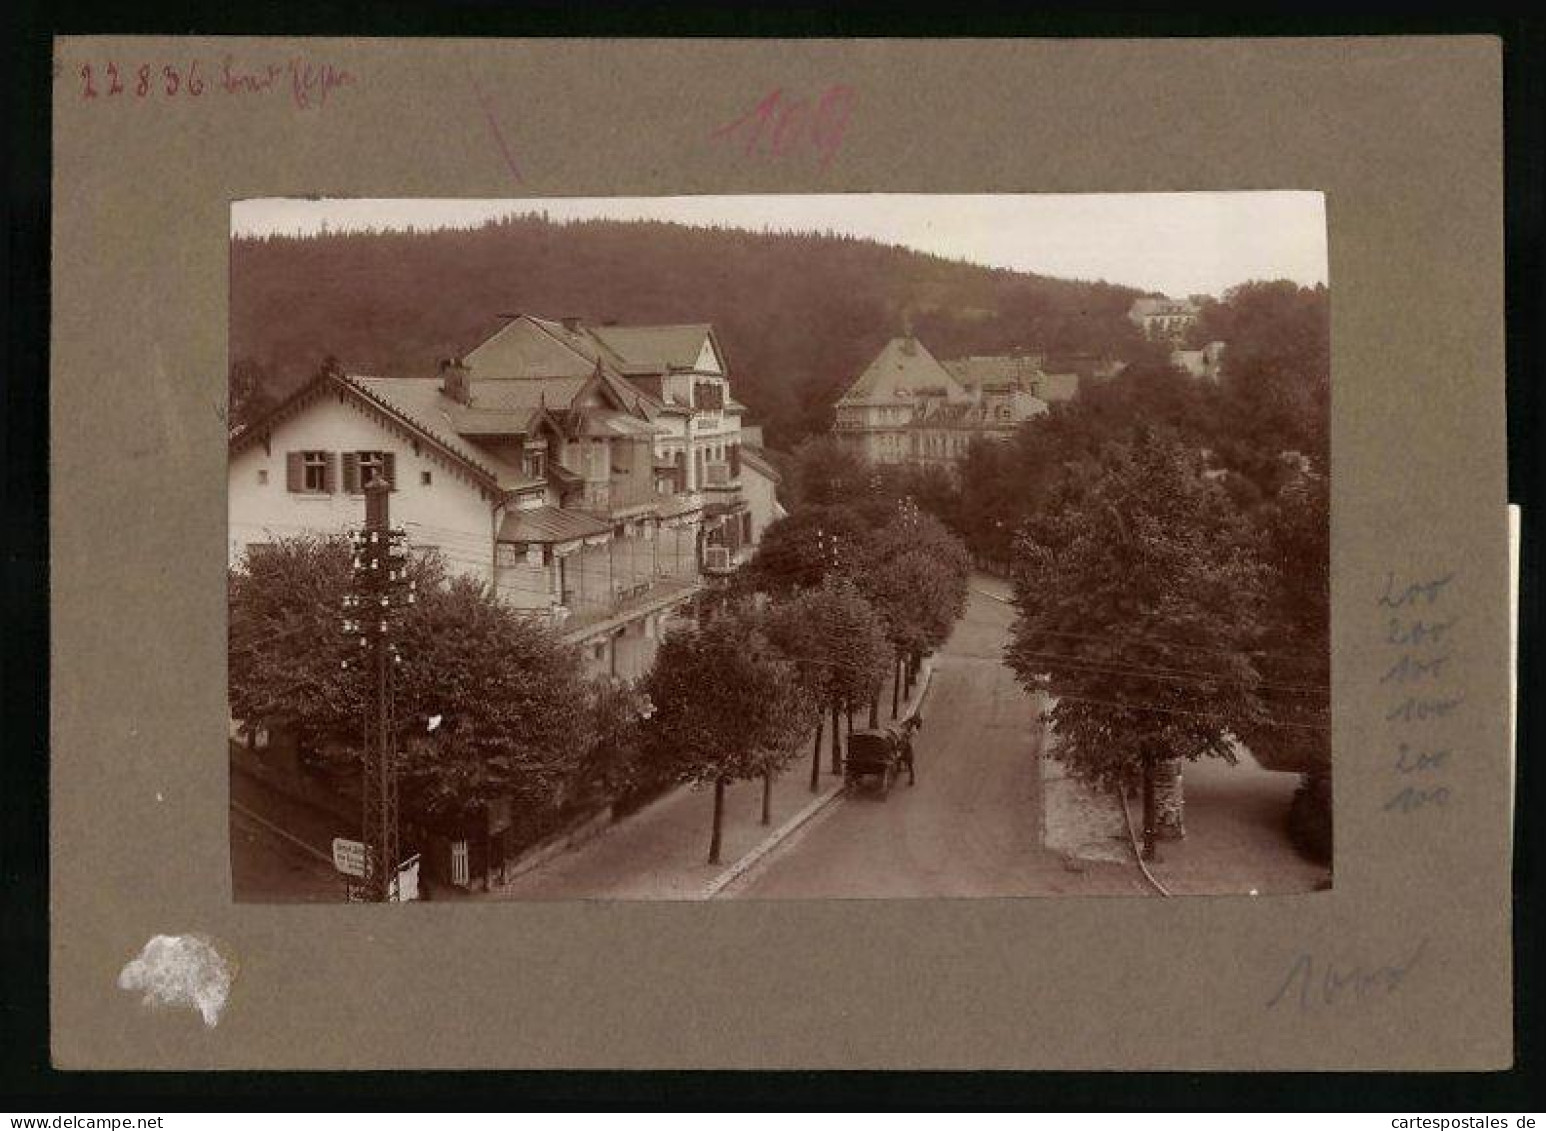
(571, 323)
(454, 381)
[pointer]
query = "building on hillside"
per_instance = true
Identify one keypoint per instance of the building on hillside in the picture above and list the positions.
(1006, 381)
(908, 408)
(1206, 362)
(875, 415)
(1164, 319)
(590, 475)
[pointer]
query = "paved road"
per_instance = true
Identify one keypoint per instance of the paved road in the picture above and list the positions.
(971, 826)
(269, 868)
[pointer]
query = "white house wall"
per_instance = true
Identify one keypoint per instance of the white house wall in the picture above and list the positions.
(761, 501)
(451, 512)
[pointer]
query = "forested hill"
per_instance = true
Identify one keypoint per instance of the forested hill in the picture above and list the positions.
(799, 315)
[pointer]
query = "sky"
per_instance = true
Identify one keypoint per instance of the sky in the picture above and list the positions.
(1178, 243)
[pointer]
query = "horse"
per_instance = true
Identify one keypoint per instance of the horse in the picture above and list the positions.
(902, 744)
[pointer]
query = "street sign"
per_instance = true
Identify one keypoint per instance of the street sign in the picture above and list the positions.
(349, 856)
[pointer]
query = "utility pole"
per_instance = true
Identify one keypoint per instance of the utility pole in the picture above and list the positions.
(827, 545)
(379, 593)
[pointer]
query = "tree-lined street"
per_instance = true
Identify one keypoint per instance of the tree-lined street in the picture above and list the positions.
(975, 825)
(972, 824)
(1154, 655)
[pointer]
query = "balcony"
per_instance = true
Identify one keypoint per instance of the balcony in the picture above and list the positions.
(718, 478)
(661, 594)
(622, 496)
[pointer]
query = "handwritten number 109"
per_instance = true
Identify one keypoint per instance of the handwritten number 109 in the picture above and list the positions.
(780, 125)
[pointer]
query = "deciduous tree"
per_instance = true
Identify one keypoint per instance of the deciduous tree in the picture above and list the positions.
(1139, 597)
(838, 645)
(916, 575)
(803, 549)
(510, 696)
(727, 706)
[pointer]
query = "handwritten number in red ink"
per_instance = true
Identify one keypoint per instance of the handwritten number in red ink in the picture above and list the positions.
(311, 85)
(760, 114)
(784, 131)
(832, 115)
(790, 125)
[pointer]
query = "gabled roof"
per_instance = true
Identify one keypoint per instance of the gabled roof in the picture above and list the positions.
(658, 348)
(516, 351)
(532, 361)
(903, 369)
(514, 395)
(1009, 370)
(419, 401)
(414, 403)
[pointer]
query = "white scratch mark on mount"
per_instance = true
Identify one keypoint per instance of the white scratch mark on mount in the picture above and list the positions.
(180, 970)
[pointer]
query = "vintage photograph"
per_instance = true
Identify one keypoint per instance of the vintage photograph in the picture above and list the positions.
(779, 547)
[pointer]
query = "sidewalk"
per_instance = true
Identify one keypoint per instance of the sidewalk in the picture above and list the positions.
(1236, 834)
(661, 852)
(1236, 830)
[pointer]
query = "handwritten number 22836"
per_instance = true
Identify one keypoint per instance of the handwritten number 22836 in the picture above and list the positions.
(171, 80)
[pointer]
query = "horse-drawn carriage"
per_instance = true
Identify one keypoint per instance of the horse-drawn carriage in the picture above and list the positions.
(882, 754)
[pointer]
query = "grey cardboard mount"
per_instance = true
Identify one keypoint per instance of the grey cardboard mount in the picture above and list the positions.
(1403, 135)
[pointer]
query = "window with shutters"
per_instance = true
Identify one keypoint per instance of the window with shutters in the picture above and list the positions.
(309, 473)
(361, 467)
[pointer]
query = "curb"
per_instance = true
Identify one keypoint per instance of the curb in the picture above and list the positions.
(769, 843)
(277, 831)
(924, 682)
(719, 883)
